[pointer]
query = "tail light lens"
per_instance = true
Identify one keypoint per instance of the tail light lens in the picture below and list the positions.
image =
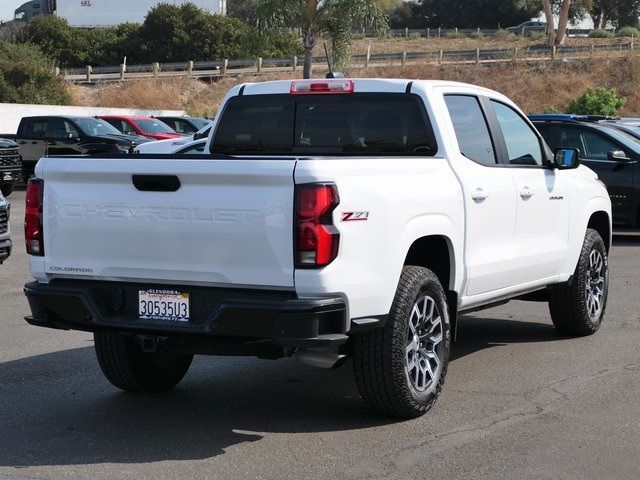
(317, 239)
(33, 218)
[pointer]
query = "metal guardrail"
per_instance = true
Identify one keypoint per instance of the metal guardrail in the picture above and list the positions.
(244, 67)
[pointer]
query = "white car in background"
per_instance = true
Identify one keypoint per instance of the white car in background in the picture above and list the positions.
(193, 144)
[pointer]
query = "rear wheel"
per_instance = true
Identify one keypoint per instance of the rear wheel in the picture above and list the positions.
(7, 189)
(578, 309)
(127, 367)
(400, 369)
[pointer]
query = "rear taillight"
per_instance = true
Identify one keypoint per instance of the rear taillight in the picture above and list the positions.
(317, 239)
(33, 218)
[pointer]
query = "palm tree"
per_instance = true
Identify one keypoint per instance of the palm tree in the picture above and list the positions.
(334, 18)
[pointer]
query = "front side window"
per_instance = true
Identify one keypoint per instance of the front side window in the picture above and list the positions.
(523, 145)
(354, 124)
(592, 145)
(471, 129)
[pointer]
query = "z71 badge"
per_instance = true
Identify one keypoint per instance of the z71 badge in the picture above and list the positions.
(355, 216)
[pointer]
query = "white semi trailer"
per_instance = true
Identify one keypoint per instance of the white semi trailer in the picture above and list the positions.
(105, 13)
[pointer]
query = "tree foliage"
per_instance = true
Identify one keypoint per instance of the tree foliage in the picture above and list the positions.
(170, 33)
(332, 18)
(464, 13)
(625, 12)
(27, 76)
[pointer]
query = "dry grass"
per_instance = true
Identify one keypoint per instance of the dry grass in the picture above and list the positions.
(533, 86)
(401, 44)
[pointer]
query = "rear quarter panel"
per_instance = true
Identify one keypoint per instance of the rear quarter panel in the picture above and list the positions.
(406, 199)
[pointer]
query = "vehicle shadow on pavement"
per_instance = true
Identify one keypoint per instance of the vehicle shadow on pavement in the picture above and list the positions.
(57, 409)
(476, 333)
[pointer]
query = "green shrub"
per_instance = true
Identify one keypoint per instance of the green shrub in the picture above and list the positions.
(477, 35)
(628, 32)
(550, 109)
(597, 101)
(27, 76)
(600, 33)
(502, 33)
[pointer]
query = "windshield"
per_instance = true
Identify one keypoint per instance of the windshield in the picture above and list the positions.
(151, 125)
(625, 138)
(95, 127)
(199, 123)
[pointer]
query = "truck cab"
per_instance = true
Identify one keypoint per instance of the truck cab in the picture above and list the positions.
(28, 10)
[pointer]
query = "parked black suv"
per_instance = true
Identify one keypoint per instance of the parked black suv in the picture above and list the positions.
(612, 153)
(65, 135)
(10, 166)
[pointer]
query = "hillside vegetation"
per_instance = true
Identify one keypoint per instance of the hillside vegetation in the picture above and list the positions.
(535, 87)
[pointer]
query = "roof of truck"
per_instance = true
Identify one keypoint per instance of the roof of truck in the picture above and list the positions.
(361, 85)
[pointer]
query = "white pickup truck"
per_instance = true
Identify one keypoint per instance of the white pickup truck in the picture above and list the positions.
(331, 219)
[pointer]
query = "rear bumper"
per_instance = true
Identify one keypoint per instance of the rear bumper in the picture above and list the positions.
(244, 315)
(5, 249)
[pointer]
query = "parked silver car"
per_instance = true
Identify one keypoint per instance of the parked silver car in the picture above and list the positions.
(527, 28)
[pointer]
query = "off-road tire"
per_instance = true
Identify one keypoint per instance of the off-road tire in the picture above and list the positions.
(127, 367)
(380, 357)
(7, 189)
(568, 304)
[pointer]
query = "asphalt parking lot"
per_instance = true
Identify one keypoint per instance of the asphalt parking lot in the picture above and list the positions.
(519, 402)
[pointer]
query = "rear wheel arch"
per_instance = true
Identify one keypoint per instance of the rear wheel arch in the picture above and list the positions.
(436, 253)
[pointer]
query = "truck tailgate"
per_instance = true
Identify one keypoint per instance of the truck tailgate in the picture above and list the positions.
(229, 222)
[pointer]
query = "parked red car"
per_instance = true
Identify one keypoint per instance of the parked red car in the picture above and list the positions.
(145, 126)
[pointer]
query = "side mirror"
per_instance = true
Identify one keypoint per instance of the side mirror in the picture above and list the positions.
(618, 156)
(567, 158)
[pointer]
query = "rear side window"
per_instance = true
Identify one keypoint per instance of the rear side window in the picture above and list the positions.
(35, 128)
(471, 129)
(358, 124)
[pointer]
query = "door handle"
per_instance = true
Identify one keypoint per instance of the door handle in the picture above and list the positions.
(526, 193)
(156, 183)
(479, 194)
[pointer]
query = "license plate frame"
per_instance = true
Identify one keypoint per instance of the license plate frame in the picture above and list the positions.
(166, 305)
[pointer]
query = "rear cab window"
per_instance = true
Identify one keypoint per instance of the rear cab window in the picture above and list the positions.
(470, 125)
(386, 124)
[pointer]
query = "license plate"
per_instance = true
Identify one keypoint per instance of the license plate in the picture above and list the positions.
(168, 305)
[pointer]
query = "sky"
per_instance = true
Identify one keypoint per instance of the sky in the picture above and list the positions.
(7, 7)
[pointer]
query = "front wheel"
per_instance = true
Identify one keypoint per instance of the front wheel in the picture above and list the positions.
(127, 367)
(578, 309)
(400, 368)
